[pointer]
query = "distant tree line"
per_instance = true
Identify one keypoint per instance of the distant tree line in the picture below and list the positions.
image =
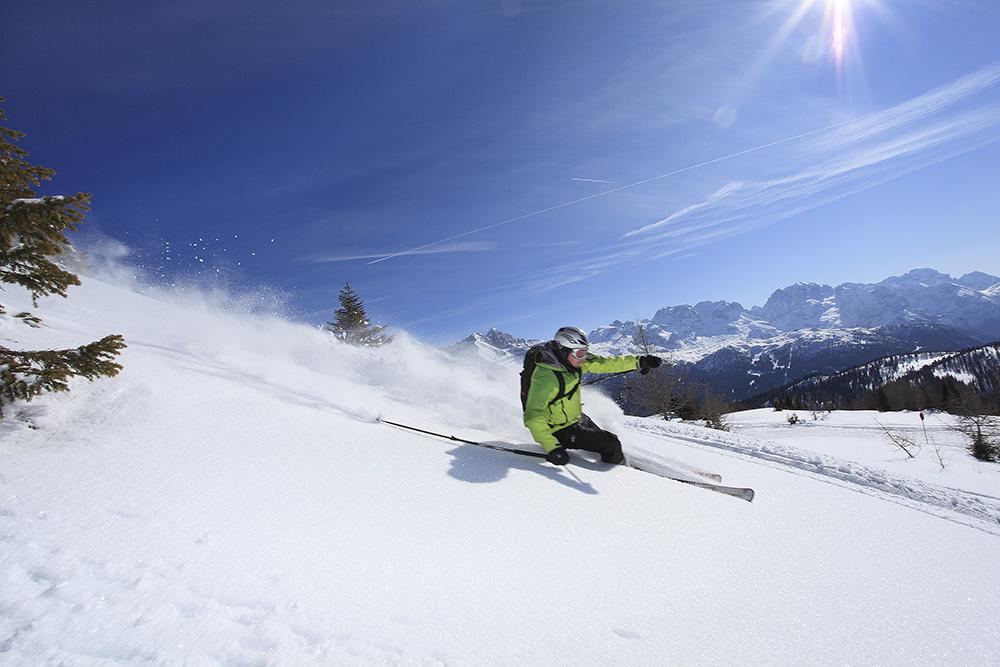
(946, 394)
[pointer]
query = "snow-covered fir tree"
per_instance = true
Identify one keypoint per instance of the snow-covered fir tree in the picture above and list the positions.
(351, 323)
(32, 230)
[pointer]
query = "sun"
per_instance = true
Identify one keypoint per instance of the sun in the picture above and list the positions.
(840, 11)
(840, 20)
(823, 31)
(839, 30)
(836, 34)
(833, 26)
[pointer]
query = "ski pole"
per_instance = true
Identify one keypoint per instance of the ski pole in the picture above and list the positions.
(611, 375)
(522, 452)
(608, 376)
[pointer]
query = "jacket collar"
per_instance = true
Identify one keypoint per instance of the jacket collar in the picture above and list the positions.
(551, 356)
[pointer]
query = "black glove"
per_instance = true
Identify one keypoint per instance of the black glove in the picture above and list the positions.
(648, 363)
(559, 456)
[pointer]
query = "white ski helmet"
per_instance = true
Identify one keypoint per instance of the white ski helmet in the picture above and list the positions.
(572, 338)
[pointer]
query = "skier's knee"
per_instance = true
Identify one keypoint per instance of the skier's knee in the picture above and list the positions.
(612, 451)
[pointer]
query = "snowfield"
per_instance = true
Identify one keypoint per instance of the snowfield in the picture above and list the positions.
(859, 437)
(231, 499)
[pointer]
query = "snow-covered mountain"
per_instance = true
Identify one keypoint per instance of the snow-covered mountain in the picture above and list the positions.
(494, 345)
(803, 329)
(922, 297)
(969, 303)
(915, 380)
(745, 368)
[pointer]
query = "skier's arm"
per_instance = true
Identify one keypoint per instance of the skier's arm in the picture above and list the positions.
(544, 388)
(596, 364)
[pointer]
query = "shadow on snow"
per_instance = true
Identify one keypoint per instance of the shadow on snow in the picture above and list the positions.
(478, 465)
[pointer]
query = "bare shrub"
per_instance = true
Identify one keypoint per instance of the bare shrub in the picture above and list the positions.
(713, 410)
(661, 393)
(901, 440)
(981, 430)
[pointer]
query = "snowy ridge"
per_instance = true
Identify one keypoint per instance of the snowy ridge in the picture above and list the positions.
(985, 509)
(877, 373)
(494, 345)
(915, 363)
(978, 367)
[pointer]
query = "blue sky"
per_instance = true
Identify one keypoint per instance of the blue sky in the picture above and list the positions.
(536, 163)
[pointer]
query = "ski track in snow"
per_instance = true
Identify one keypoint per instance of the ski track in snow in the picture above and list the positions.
(920, 495)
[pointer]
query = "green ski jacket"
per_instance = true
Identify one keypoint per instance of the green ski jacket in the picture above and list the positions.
(543, 415)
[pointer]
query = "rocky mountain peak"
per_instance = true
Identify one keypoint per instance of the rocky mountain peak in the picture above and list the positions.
(918, 278)
(798, 306)
(979, 281)
(500, 339)
(706, 318)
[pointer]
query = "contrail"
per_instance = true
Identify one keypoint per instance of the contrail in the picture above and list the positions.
(614, 190)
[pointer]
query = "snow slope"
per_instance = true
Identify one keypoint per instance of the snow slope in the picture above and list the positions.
(942, 501)
(228, 499)
(858, 436)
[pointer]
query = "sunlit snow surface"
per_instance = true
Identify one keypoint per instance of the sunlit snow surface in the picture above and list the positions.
(230, 499)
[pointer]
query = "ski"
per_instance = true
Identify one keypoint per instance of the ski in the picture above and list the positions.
(734, 491)
(743, 494)
(713, 476)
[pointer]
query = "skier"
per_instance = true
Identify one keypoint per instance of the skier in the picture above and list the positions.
(550, 394)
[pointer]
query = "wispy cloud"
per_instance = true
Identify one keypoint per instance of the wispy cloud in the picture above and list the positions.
(880, 123)
(592, 180)
(462, 246)
(848, 159)
(552, 244)
(819, 168)
(588, 266)
(394, 295)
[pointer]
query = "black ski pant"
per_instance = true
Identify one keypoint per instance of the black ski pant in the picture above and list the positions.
(587, 435)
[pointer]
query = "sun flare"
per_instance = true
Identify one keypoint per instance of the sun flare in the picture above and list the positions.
(836, 35)
(840, 10)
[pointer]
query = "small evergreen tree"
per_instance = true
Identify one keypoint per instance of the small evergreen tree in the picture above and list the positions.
(982, 430)
(351, 323)
(882, 400)
(32, 229)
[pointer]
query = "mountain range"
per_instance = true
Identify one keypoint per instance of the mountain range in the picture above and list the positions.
(801, 330)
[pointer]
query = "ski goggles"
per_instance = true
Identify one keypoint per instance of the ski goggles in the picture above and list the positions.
(580, 353)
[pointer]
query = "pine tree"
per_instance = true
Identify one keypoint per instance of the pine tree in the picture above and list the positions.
(882, 400)
(351, 323)
(32, 230)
